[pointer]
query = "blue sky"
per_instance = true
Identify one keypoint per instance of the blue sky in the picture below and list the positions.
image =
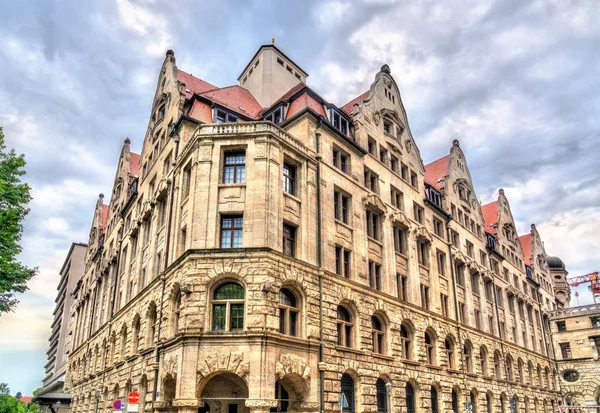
(516, 82)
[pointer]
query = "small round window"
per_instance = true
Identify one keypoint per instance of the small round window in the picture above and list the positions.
(571, 375)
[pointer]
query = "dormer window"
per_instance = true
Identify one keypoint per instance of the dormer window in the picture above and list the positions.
(221, 116)
(434, 196)
(339, 122)
(276, 116)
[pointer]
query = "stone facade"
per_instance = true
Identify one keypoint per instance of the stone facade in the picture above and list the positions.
(576, 342)
(350, 278)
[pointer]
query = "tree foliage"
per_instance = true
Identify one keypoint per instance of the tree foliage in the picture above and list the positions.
(4, 389)
(14, 197)
(10, 404)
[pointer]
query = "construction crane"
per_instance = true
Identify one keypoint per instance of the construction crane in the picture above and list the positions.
(593, 278)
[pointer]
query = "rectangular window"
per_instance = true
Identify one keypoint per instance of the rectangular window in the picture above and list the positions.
(462, 315)
(341, 204)
(276, 116)
(289, 240)
(477, 315)
(423, 252)
(383, 155)
(397, 198)
(186, 181)
(499, 297)
(342, 261)
(401, 284)
(375, 275)
(341, 160)
(440, 258)
(482, 258)
(339, 122)
(455, 239)
(289, 178)
(475, 283)
(404, 172)
(511, 303)
(413, 180)
(167, 164)
(232, 227)
(418, 213)
(438, 228)
(234, 171)
(490, 324)
(394, 164)
(371, 180)
(399, 239)
(372, 146)
(444, 304)
(489, 292)
(459, 269)
(183, 240)
(565, 350)
(561, 326)
(388, 127)
(595, 322)
(162, 211)
(470, 250)
(425, 297)
(373, 225)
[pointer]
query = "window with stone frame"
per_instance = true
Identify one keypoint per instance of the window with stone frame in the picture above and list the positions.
(234, 167)
(342, 261)
(373, 219)
(406, 339)
(375, 275)
(289, 313)
(341, 160)
(342, 202)
(345, 327)
(378, 335)
(228, 307)
(430, 347)
(289, 179)
(289, 240)
(400, 236)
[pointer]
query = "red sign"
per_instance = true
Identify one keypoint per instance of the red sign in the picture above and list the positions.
(133, 397)
(117, 404)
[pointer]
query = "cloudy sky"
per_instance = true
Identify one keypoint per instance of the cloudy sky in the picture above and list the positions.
(517, 82)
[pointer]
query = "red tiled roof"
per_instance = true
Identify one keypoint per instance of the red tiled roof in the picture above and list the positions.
(289, 93)
(193, 84)
(303, 101)
(104, 216)
(436, 170)
(237, 99)
(490, 215)
(526, 244)
(26, 399)
(134, 163)
(348, 107)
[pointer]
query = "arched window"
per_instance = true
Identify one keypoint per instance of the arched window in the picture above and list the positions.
(468, 353)
(509, 368)
(530, 372)
(135, 335)
(381, 396)
(411, 403)
(502, 403)
(521, 372)
(434, 400)
(345, 327)
(488, 403)
(539, 374)
(497, 366)
(151, 325)
(228, 307)
(454, 401)
(449, 347)
(473, 397)
(430, 348)
(288, 313)
(176, 312)
(406, 339)
(378, 334)
(123, 343)
(483, 360)
(111, 348)
(348, 391)
(547, 377)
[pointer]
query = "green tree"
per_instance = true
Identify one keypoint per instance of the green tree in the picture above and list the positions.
(10, 404)
(14, 197)
(4, 389)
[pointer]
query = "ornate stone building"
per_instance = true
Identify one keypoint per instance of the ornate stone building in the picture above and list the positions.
(271, 251)
(576, 340)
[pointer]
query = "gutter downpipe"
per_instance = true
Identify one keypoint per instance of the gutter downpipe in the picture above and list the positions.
(320, 265)
(458, 329)
(167, 251)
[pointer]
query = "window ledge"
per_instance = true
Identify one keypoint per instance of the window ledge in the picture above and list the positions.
(382, 356)
(434, 367)
(449, 370)
(400, 254)
(131, 357)
(470, 374)
(411, 362)
(234, 185)
(349, 349)
(292, 196)
(337, 221)
(424, 267)
(375, 241)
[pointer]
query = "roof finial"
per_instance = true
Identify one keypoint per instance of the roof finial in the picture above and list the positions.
(127, 141)
(273, 40)
(101, 196)
(455, 142)
(501, 191)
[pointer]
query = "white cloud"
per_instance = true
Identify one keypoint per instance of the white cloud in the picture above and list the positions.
(152, 28)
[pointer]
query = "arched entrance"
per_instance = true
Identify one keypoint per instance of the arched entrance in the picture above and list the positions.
(224, 393)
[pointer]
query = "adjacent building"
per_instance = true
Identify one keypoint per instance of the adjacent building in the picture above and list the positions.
(62, 332)
(269, 251)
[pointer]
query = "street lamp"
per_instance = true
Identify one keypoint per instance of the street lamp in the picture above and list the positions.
(57, 406)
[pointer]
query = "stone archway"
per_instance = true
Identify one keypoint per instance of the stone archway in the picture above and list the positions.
(224, 393)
